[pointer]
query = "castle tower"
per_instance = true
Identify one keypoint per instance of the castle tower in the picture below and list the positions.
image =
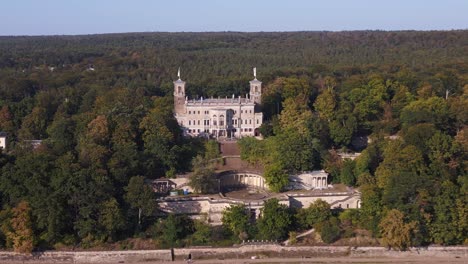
(179, 95)
(256, 88)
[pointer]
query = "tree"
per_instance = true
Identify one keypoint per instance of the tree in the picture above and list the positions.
(433, 110)
(347, 176)
(276, 177)
(236, 219)
(371, 207)
(111, 218)
(161, 134)
(368, 101)
(22, 234)
(401, 98)
(6, 120)
(176, 227)
(401, 175)
(445, 227)
(295, 116)
(34, 125)
(140, 196)
(203, 179)
(458, 108)
(252, 150)
(330, 230)
(294, 151)
(325, 104)
(211, 150)
(202, 234)
(418, 135)
(61, 136)
(315, 214)
(343, 127)
(125, 159)
(395, 232)
(275, 220)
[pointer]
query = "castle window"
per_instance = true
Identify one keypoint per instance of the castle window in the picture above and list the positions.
(179, 89)
(250, 121)
(198, 122)
(189, 122)
(256, 89)
(221, 121)
(257, 121)
(198, 112)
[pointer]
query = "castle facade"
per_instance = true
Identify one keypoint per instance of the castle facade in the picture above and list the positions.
(233, 117)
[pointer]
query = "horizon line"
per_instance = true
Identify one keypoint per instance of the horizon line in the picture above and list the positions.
(235, 31)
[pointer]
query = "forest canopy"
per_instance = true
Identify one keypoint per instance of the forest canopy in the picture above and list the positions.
(102, 106)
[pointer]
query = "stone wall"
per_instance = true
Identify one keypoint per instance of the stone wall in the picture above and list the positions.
(344, 200)
(242, 252)
(213, 208)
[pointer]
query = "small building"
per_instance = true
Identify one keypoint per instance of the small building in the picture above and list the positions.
(3, 140)
(309, 180)
(163, 186)
(34, 143)
(351, 156)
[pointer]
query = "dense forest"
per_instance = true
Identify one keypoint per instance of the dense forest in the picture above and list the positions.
(102, 106)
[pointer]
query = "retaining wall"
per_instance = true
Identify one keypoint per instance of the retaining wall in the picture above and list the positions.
(242, 252)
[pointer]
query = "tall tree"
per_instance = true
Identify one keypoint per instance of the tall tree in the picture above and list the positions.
(396, 233)
(22, 233)
(275, 220)
(141, 197)
(236, 219)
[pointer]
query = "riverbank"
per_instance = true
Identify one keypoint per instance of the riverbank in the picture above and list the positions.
(247, 254)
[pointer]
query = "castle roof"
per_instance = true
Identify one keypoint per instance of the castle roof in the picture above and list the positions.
(255, 81)
(220, 101)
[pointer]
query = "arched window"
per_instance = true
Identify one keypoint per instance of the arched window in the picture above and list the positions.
(256, 89)
(179, 89)
(221, 120)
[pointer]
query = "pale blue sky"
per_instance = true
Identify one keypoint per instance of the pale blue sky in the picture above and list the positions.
(50, 17)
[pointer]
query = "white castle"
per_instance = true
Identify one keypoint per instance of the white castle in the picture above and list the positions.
(219, 117)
